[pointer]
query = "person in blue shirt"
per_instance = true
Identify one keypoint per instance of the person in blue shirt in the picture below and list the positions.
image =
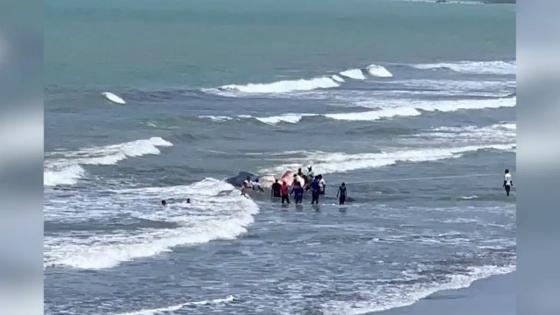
(315, 190)
(297, 191)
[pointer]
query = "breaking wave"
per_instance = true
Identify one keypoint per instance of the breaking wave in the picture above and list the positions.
(339, 162)
(217, 211)
(284, 86)
(64, 167)
(300, 85)
(355, 74)
(379, 71)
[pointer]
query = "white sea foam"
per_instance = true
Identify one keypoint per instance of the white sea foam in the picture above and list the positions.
(114, 98)
(217, 211)
(440, 105)
(473, 67)
(63, 167)
(286, 118)
(337, 78)
(284, 86)
(386, 298)
(469, 197)
(482, 88)
(217, 118)
(62, 174)
(503, 132)
(338, 162)
(375, 115)
(355, 74)
(379, 71)
(176, 307)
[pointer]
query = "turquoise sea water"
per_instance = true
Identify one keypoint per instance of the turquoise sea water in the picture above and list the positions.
(209, 43)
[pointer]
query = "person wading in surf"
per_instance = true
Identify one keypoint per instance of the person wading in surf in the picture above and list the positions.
(297, 191)
(322, 184)
(341, 194)
(508, 182)
(285, 192)
(275, 191)
(310, 175)
(300, 173)
(315, 190)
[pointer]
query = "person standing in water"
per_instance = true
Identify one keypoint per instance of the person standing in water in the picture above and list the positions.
(285, 192)
(322, 185)
(341, 194)
(275, 191)
(256, 185)
(297, 191)
(508, 182)
(315, 190)
(310, 174)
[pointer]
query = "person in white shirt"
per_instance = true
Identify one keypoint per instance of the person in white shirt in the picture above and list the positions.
(245, 186)
(256, 185)
(508, 182)
(310, 174)
(322, 185)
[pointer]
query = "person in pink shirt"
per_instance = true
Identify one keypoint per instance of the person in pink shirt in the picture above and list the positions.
(285, 192)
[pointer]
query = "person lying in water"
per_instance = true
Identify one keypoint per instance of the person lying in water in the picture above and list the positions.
(245, 186)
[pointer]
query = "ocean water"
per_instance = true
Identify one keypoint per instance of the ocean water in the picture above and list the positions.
(411, 103)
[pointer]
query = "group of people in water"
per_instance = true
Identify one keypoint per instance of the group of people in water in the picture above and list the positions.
(317, 185)
(299, 185)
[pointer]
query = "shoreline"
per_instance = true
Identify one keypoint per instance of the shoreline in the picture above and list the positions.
(494, 295)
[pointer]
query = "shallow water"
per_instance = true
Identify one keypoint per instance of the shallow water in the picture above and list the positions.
(421, 139)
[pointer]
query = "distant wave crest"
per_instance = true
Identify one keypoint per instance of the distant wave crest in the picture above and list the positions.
(473, 67)
(400, 108)
(299, 85)
(283, 86)
(379, 71)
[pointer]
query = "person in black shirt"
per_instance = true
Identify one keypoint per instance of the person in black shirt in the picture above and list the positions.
(275, 192)
(341, 195)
